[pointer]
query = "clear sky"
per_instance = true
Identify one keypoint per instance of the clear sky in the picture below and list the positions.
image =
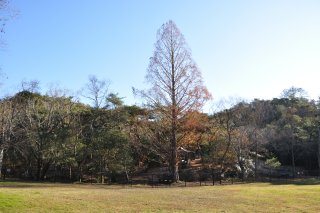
(249, 49)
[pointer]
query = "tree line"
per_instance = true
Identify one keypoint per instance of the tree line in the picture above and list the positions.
(55, 137)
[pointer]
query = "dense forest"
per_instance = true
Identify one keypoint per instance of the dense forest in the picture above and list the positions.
(54, 137)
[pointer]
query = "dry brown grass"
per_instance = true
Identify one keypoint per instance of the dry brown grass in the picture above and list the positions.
(260, 197)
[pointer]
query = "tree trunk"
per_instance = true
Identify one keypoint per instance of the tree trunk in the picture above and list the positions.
(127, 173)
(55, 173)
(256, 157)
(174, 167)
(39, 166)
(70, 173)
(80, 174)
(174, 163)
(222, 160)
(44, 170)
(292, 159)
(1, 160)
(318, 154)
(242, 168)
(101, 175)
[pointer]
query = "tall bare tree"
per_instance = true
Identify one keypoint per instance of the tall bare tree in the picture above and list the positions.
(31, 86)
(96, 91)
(176, 84)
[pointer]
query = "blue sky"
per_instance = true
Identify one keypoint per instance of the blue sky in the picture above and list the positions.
(248, 49)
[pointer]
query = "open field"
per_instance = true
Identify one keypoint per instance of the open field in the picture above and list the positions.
(259, 197)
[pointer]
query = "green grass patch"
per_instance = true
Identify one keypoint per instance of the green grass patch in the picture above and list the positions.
(10, 201)
(259, 197)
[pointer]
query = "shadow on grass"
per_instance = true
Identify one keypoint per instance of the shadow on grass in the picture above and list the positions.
(296, 181)
(14, 183)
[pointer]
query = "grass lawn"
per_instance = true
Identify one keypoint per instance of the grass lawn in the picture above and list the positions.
(258, 197)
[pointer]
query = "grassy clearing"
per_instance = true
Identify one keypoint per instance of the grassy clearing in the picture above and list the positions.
(260, 197)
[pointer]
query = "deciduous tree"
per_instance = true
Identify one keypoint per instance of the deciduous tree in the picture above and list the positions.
(96, 91)
(176, 84)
